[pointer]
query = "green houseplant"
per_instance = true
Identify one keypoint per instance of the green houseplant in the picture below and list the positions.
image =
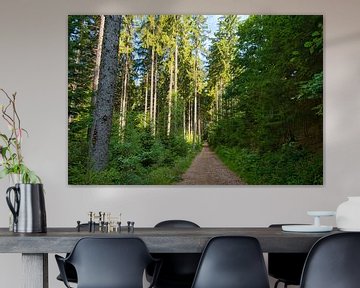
(11, 158)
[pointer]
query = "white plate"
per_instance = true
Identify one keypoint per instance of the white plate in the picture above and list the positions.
(350, 229)
(306, 228)
(321, 213)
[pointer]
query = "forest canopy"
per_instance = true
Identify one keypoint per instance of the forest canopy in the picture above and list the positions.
(145, 92)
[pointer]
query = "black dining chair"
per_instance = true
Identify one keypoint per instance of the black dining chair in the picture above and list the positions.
(232, 262)
(70, 271)
(333, 262)
(108, 263)
(285, 267)
(178, 269)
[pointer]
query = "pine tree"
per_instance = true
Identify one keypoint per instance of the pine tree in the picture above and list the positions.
(102, 120)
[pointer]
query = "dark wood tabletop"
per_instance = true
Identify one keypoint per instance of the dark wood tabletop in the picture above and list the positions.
(158, 240)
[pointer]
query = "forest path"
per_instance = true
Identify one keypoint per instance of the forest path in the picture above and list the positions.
(207, 169)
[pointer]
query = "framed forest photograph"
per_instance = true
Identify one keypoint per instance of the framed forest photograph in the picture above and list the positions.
(195, 100)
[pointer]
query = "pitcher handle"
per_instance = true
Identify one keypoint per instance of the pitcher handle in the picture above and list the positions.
(13, 208)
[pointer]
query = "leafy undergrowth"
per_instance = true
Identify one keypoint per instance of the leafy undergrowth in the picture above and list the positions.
(286, 166)
(140, 159)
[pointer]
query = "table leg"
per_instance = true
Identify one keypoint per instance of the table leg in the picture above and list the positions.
(35, 270)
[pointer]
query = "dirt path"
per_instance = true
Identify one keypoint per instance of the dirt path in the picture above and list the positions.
(207, 169)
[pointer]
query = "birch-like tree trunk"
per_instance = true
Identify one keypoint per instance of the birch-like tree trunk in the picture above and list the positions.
(190, 118)
(195, 102)
(176, 86)
(124, 100)
(101, 127)
(170, 92)
(176, 68)
(146, 99)
(98, 58)
(155, 94)
(152, 84)
(184, 120)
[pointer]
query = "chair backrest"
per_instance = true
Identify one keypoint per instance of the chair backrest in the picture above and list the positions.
(333, 262)
(286, 267)
(176, 224)
(110, 262)
(178, 269)
(232, 262)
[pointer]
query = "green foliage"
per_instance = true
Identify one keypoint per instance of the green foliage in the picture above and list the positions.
(272, 70)
(140, 158)
(313, 90)
(78, 161)
(130, 170)
(82, 41)
(171, 174)
(316, 43)
(272, 105)
(290, 165)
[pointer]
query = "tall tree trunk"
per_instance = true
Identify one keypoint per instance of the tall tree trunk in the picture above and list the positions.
(221, 88)
(98, 58)
(199, 119)
(195, 119)
(97, 67)
(176, 68)
(146, 98)
(195, 102)
(217, 103)
(155, 94)
(123, 106)
(199, 128)
(189, 119)
(176, 86)
(101, 128)
(152, 84)
(184, 120)
(170, 98)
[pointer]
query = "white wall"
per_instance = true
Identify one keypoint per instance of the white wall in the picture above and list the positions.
(33, 62)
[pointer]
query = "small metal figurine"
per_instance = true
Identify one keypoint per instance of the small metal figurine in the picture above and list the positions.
(78, 226)
(108, 227)
(130, 226)
(90, 221)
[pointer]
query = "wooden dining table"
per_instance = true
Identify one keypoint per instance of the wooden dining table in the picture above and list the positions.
(35, 247)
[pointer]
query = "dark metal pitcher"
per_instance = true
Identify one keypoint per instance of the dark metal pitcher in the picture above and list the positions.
(28, 207)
